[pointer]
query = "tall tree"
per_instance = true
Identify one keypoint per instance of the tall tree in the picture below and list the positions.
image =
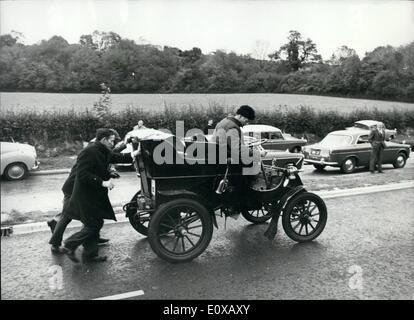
(297, 52)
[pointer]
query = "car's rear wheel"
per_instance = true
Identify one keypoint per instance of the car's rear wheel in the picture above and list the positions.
(295, 150)
(15, 171)
(348, 166)
(138, 220)
(180, 230)
(400, 161)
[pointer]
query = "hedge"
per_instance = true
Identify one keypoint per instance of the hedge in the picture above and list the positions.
(56, 127)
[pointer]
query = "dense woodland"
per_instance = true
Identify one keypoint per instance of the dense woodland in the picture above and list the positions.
(54, 65)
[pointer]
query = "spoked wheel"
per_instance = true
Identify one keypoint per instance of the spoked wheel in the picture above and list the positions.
(305, 217)
(180, 230)
(138, 220)
(258, 215)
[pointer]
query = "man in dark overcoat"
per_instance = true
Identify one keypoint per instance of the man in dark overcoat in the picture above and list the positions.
(59, 223)
(377, 140)
(89, 202)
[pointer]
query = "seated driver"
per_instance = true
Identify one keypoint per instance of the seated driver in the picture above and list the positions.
(228, 133)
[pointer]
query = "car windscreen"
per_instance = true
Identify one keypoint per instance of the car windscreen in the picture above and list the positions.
(336, 140)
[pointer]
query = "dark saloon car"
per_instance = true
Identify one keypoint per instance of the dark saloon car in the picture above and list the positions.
(348, 149)
(276, 140)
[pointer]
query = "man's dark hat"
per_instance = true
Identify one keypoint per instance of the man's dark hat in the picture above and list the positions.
(247, 112)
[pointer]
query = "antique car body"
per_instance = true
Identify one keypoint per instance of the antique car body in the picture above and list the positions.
(177, 203)
(366, 125)
(348, 149)
(17, 159)
(276, 140)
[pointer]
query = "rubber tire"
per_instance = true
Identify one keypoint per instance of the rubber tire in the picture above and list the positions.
(139, 227)
(287, 212)
(255, 220)
(207, 233)
(319, 167)
(343, 168)
(295, 150)
(395, 163)
(19, 164)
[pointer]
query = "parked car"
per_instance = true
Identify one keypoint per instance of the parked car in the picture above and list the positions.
(407, 140)
(348, 149)
(366, 125)
(17, 159)
(281, 157)
(276, 140)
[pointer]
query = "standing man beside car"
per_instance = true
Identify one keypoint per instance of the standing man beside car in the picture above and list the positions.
(89, 202)
(377, 139)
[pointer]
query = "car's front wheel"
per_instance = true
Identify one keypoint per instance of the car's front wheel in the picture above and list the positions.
(15, 171)
(400, 161)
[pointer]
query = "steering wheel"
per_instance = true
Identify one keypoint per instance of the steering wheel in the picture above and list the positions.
(256, 143)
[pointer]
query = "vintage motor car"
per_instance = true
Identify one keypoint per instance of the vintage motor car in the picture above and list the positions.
(276, 140)
(366, 125)
(177, 203)
(17, 159)
(349, 149)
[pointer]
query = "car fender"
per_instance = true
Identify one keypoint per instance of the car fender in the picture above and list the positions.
(16, 157)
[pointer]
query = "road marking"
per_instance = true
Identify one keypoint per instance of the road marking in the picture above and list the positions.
(122, 295)
(364, 190)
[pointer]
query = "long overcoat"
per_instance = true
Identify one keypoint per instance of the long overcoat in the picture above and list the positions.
(89, 200)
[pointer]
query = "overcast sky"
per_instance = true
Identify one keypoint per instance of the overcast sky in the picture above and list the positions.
(243, 26)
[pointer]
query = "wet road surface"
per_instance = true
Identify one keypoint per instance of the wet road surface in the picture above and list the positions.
(365, 252)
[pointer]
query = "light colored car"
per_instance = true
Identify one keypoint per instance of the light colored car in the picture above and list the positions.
(349, 149)
(276, 140)
(282, 157)
(17, 159)
(366, 125)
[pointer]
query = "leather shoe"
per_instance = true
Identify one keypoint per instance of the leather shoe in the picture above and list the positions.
(102, 241)
(57, 249)
(52, 224)
(95, 259)
(380, 171)
(71, 254)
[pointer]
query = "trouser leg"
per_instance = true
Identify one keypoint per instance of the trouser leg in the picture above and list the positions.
(88, 236)
(379, 158)
(373, 159)
(91, 244)
(60, 228)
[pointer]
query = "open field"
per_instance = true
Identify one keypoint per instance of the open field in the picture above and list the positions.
(18, 101)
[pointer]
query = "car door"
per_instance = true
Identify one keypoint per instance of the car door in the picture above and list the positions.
(363, 150)
(275, 141)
